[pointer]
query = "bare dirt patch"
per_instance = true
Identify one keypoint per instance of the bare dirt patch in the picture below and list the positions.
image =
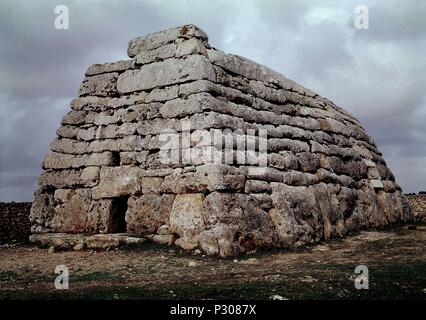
(395, 256)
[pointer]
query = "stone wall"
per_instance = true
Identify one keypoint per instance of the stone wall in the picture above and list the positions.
(106, 173)
(418, 205)
(14, 221)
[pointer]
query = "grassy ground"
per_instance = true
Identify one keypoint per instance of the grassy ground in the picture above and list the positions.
(395, 257)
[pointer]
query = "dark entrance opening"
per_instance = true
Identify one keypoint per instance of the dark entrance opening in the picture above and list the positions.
(118, 218)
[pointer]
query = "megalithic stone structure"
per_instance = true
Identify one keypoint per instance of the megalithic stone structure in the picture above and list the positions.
(186, 144)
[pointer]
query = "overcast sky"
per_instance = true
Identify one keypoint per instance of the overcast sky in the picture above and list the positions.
(379, 74)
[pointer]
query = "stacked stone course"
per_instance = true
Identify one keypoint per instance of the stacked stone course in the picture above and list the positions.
(325, 175)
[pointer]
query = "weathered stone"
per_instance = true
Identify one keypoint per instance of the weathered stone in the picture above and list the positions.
(70, 146)
(376, 184)
(71, 216)
(308, 162)
(146, 213)
(87, 134)
(66, 131)
(90, 176)
(127, 143)
(64, 161)
(102, 85)
(219, 241)
(283, 160)
(157, 54)
(163, 239)
(190, 46)
(256, 186)
(164, 229)
(89, 103)
(133, 157)
(186, 219)
(163, 94)
(129, 100)
(60, 179)
(296, 215)
(109, 67)
(164, 73)
(158, 39)
(254, 224)
(41, 212)
(118, 181)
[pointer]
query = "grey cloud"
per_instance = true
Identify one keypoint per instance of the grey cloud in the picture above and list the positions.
(377, 74)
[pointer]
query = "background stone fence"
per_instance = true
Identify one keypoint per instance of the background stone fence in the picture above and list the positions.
(14, 221)
(418, 205)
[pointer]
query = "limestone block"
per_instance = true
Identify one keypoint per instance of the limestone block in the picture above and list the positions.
(118, 181)
(277, 145)
(65, 145)
(219, 241)
(164, 239)
(76, 117)
(89, 103)
(283, 160)
(90, 176)
(113, 131)
(60, 179)
(147, 212)
(293, 208)
(41, 211)
(130, 157)
(102, 85)
(66, 131)
(157, 39)
(127, 100)
(66, 161)
(308, 162)
(87, 134)
(63, 195)
(163, 94)
(191, 46)
(99, 216)
(376, 183)
(186, 218)
(117, 66)
(256, 186)
(157, 54)
(71, 216)
(167, 72)
(127, 143)
(152, 184)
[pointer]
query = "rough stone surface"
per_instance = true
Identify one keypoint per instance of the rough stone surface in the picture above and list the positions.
(14, 221)
(187, 145)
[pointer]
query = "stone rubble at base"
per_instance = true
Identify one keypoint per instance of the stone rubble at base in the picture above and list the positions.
(324, 176)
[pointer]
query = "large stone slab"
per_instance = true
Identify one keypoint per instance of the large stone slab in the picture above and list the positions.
(186, 219)
(146, 213)
(118, 181)
(158, 39)
(167, 72)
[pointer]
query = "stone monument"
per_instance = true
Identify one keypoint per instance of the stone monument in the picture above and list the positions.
(188, 145)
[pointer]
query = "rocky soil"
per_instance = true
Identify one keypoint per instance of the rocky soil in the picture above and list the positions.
(395, 256)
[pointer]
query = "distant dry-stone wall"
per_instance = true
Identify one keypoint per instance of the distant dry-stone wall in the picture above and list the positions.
(418, 205)
(14, 220)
